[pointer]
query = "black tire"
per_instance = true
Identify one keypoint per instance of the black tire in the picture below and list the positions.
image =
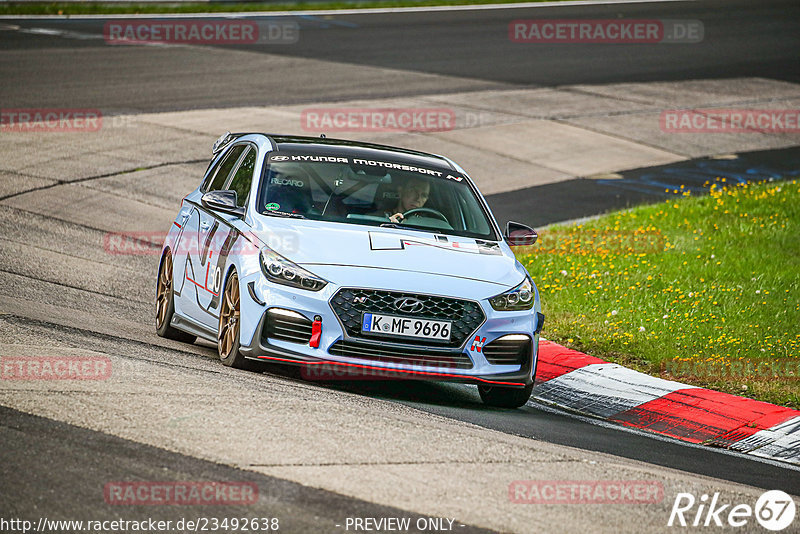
(503, 397)
(228, 330)
(165, 304)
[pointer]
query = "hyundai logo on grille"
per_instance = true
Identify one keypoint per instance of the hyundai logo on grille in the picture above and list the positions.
(408, 305)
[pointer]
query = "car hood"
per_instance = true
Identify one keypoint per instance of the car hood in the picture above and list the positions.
(311, 243)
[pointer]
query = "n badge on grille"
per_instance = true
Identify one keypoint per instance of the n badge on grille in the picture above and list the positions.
(477, 345)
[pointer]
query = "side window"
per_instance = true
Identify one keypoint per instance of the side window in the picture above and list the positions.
(243, 178)
(210, 175)
(225, 168)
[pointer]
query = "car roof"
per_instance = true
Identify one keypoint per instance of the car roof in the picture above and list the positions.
(357, 149)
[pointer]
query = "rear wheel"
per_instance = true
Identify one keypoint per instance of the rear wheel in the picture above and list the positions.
(503, 397)
(165, 304)
(228, 332)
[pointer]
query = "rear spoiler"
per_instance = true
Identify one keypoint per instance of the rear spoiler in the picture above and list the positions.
(223, 141)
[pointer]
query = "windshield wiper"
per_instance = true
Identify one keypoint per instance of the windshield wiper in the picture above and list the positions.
(402, 227)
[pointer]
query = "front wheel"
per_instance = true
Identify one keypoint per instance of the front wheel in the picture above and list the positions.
(228, 332)
(503, 397)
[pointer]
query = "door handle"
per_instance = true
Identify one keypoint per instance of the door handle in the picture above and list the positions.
(205, 225)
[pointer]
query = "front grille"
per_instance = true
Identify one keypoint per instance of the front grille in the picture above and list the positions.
(287, 325)
(508, 350)
(421, 357)
(350, 303)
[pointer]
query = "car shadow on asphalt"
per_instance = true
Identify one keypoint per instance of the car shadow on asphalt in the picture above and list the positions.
(454, 395)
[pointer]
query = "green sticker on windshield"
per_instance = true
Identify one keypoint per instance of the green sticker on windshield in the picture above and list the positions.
(272, 206)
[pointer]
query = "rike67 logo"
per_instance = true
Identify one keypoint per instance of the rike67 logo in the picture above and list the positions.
(774, 510)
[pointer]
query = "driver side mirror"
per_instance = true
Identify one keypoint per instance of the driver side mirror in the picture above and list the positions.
(518, 234)
(224, 201)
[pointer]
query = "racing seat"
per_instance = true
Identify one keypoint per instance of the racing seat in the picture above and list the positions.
(386, 198)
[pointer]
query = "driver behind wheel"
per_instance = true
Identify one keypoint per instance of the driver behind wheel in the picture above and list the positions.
(413, 194)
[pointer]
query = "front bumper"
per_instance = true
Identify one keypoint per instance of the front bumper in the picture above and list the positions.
(479, 359)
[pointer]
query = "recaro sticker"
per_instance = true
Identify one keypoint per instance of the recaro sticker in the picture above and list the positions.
(287, 181)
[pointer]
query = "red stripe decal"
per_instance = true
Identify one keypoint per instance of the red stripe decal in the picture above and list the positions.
(199, 285)
(699, 415)
(555, 360)
(176, 224)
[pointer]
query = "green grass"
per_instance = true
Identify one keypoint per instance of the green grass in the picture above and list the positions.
(696, 280)
(99, 8)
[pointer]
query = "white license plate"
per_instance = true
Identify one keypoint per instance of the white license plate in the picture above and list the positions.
(375, 323)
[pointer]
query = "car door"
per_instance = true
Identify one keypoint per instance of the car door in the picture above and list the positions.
(184, 222)
(188, 220)
(198, 233)
(218, 236)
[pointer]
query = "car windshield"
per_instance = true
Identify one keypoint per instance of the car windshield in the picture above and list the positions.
(352, 190)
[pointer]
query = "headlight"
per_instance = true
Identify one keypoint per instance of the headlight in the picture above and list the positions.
(519, 298)
(282, 271)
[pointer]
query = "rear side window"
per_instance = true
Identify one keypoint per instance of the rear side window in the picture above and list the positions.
(218, 176)
(244, 177)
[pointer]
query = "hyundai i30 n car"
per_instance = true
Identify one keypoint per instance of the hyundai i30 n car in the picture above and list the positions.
(376, 260)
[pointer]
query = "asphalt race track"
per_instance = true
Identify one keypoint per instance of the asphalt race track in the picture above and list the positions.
(433, 52)
(318, 452)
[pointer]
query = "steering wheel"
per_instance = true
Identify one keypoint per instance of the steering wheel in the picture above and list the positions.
(435, 213)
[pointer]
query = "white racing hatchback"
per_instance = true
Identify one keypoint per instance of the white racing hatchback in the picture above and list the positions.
(366, 260)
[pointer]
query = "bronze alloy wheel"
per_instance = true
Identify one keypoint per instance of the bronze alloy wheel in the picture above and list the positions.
(228, 333)
(164, 292)
(165, 304)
